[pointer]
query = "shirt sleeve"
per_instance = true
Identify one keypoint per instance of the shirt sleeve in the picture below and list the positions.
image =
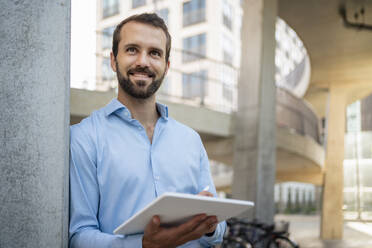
(84, 198)
(206, 180)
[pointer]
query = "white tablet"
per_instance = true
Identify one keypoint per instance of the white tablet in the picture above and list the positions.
(176, 208)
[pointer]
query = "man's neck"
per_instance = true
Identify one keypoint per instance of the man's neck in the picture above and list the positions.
(143, 110)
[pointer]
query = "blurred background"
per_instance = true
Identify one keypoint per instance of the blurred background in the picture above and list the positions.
(314, 54)
(317, 49)
(278, 90)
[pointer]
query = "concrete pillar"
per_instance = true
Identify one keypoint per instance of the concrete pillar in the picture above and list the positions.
(332, 215)
(255, 137)
(34, 118)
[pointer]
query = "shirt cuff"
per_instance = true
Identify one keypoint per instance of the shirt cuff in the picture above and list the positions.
(217, 236)
(210, 234)
(128, 241)
(210, 238)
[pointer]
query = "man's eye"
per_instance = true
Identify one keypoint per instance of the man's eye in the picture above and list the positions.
(155, 53)
(131, 49)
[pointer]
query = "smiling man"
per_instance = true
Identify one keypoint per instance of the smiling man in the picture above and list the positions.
(130, 152)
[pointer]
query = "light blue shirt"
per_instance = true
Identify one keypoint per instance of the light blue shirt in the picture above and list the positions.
(115, 172)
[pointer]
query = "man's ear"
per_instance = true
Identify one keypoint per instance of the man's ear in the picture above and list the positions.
(113, 62)
(167, 67)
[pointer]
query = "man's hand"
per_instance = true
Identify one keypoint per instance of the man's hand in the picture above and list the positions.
(156, 236)
(206, 193)
(209, 194)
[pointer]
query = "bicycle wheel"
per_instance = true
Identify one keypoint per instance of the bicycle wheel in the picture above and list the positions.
(281, 242)
(235, 242)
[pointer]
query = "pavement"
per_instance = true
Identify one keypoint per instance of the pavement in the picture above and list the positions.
(305, 230)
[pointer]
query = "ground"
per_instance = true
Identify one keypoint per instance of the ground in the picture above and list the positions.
(304, 230)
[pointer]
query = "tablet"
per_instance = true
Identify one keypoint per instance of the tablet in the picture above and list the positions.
(176, 208)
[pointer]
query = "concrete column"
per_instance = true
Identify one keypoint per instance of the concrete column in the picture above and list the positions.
(332, 215)
(34, 118)
(255, 137)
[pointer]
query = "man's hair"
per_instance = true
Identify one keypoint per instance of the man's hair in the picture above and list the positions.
(145, 18)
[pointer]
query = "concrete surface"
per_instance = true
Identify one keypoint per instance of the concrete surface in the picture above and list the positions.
(305, 229)
(206, 121)
(333, 188)
(34, 118)
(255, 130)
(338, 55)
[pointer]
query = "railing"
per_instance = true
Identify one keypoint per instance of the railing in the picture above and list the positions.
(203, 82)
(296, 114)
(212, 84)
(216, 92)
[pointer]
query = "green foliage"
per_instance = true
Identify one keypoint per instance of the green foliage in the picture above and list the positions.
(289, 208)
(304, 206)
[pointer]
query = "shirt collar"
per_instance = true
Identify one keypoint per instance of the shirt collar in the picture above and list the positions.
(115, 105)
(163, 110)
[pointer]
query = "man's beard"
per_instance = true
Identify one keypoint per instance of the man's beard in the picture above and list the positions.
(130, 87)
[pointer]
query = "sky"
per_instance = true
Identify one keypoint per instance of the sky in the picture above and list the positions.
(83, 44)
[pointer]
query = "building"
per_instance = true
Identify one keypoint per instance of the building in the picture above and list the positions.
(358, 161)
(204, 56)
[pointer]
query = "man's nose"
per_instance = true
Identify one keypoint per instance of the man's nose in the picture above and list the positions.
(142, 59)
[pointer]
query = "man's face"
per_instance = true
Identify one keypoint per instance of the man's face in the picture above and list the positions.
(140, 63)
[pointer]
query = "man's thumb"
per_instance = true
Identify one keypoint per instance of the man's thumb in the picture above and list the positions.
(153, 225)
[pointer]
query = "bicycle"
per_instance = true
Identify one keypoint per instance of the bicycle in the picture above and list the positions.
(245, 234)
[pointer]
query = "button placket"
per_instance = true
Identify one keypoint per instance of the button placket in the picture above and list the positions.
(155, 175)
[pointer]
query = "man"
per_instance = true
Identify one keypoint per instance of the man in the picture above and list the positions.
(128, 153)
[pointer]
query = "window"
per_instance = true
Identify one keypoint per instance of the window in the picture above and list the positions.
(227, 57)
(107, 37)
(228, 50)
(194, 48)
(107, 72)
(193, 12)
(194, 84)
(110, 8)
(138, 3)
(227, 92)
(227, 14)
(163, 13)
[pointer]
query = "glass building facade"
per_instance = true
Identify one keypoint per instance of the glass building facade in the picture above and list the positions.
(358, 161)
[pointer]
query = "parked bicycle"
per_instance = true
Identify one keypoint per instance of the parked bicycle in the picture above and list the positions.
(246, 234)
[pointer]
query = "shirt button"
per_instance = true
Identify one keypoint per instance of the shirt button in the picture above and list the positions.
(139, 128)
(157, 178)
(126, 114)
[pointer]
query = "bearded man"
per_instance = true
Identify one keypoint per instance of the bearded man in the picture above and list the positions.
(130, 152)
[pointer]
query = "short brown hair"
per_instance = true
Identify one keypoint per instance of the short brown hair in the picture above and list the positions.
(146, 18)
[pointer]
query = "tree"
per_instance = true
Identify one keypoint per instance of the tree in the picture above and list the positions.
(297, 207)
(289, 207)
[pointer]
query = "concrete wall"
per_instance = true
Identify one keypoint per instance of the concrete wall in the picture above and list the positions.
(34, 117)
